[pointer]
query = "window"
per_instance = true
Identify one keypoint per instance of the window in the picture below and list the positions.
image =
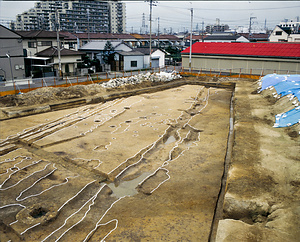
(278, 33)
(31, 44)
(133, 63)
(46, 43)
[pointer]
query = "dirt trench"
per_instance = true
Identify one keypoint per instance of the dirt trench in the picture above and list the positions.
(144, 165)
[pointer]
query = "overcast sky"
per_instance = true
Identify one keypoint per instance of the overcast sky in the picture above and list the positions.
(177, 14)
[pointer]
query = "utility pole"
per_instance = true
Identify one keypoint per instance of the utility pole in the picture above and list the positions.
(151, 5)
(150, 32)
(58, 44)
(191, 40)
(202, 30)
(88, 15)
(158, 30)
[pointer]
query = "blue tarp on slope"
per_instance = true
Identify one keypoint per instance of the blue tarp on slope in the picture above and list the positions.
(273, 79)
(288, 118)
(284, 85)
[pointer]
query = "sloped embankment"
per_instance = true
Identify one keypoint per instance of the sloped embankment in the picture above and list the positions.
(262, 198)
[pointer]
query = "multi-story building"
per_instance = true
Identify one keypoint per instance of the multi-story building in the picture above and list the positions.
(74, 16)
(117, 17)
(213, 28)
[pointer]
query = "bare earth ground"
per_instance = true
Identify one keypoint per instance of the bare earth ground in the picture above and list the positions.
(149, 167)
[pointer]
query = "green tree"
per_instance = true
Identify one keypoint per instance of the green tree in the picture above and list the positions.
(109, 53)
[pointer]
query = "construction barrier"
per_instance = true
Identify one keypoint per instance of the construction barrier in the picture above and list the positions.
(233, 73)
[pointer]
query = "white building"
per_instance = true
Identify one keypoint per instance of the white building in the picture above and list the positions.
(287, 31)
(74, 16)
(117, 17)
(281, 34)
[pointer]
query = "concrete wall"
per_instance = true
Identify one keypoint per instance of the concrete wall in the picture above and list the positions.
(248, 65)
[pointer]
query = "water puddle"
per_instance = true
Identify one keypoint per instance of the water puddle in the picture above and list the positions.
(170, 140)
(127, 188)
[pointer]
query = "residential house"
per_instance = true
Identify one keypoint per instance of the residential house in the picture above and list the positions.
(84, 38)
(252, 58)
(157, 40)
(256, 37)
(68, 59)
(129, 60)
(11, 55)
(157, 57)
(35, 41)
(97, 48)
(225, 38)
(285, 34)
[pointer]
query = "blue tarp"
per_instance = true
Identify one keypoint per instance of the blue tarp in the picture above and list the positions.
(284, 85)
(273, 79)
(288, 118)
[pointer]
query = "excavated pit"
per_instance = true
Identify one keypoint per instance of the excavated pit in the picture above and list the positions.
(144, 163)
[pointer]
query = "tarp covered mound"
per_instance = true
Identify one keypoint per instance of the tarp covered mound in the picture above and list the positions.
(285, 85)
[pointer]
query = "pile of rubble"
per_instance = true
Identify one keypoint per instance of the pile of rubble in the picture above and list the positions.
(156, 77)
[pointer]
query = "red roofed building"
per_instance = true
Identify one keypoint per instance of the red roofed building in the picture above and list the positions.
(255, 58)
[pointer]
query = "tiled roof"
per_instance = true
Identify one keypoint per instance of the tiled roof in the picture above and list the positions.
(52, 51)
(99, 45)
(145, 50)
(222, 37)
(287, 50)
(38, 34)
(130, 53)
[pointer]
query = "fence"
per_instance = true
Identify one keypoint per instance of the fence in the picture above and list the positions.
(27, 85)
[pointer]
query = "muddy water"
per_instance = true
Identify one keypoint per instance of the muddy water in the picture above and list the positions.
(161, 154)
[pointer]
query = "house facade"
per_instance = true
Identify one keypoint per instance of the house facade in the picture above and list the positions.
(38, 40)
(157, 57)
(11, 55)
(129, 60)
(225, 38)
(97, 48)
(248, 58)
(284, 34)
(68, 59)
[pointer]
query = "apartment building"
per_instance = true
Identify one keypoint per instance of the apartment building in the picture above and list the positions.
(117, 17)
(74, 16)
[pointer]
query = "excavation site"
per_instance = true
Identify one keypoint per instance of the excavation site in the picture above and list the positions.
(154, 157)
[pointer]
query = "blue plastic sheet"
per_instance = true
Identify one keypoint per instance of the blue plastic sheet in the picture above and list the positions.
(288, 118)
(284, 85)
(273, 79)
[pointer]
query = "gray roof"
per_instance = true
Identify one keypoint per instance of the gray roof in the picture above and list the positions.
(99, 45)
(222, 37)
(130, 53)
(146, 50)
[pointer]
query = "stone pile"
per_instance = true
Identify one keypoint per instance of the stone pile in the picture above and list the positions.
(156, 77)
